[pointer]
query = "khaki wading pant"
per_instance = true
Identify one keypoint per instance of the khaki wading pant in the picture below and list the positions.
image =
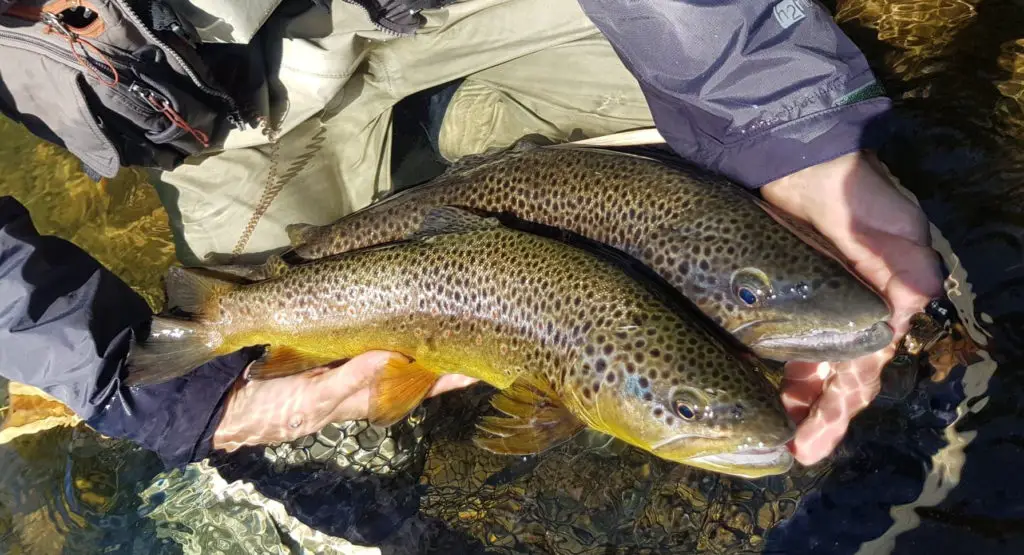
(531, 67)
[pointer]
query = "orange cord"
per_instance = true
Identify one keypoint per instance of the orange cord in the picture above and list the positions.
(160, 105)
(176, 119)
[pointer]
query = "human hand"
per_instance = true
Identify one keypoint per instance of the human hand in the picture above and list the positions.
(885, 237)
(263, 412)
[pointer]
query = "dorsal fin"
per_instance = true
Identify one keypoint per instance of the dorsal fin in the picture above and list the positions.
(191, 291)
(299, 234)
(495, 154)
(445, 220)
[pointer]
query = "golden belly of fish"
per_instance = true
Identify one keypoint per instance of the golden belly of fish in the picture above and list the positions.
(570, 339)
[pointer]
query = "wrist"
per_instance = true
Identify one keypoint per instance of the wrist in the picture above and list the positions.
(802, 192)
(224, 433)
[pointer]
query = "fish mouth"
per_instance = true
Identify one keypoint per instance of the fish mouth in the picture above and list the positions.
(815, 346)
(743, 461)
(747, 463)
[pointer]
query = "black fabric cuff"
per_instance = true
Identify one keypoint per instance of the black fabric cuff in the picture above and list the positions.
(175, 419)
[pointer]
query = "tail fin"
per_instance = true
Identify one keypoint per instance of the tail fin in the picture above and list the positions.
(176, 346)
(173, 348)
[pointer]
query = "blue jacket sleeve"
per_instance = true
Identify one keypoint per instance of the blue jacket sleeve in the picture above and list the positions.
(752, 89)
(66, 325)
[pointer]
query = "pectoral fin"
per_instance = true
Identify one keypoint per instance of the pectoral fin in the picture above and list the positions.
(282, 360)
(536, 421)
(399, 388)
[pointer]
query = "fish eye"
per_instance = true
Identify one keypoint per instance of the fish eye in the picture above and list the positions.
(751, 286)
(685, 411)
(747, 296)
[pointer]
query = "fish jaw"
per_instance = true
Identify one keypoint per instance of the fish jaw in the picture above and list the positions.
(746, 460)
(750, 463)
(843, 322)
(754, 449)
(832, 345)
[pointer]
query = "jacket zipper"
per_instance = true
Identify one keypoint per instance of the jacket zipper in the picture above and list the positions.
(234, 114)
(162, 104)
(153, 100)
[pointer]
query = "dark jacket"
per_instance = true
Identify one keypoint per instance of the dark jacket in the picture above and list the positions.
(752, 89)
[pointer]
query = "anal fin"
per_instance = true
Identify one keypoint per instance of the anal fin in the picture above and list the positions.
(193, 290)
(399, 389)
(536, 422)
(282, 360)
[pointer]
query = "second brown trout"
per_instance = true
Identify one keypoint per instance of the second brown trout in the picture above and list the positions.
(570, 339)
(775, 284)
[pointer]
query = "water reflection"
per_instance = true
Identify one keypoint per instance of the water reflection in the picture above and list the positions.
(65, 490)
(934, 471)
(107, 219)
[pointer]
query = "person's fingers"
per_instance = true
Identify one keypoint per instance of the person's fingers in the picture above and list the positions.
(802, 386)
(849, 389)
(359, 370)
(902, 258)
(284, 409)
(355, 406)
(352, 382)
(450, 382)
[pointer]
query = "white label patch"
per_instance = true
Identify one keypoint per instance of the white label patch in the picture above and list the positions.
(789, 12)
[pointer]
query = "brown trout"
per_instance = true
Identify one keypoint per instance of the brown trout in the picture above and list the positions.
(568, 336)
(774, 283)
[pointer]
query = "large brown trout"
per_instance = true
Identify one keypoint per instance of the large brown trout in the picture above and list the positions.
(571, 338)
(775, 284)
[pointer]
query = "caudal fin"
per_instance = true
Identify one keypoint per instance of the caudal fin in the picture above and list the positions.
(173, 348)
(176, 346)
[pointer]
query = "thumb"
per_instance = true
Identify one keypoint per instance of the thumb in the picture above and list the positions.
(359, 371)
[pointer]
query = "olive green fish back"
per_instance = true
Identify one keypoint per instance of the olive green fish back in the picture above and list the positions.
(704, 235)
